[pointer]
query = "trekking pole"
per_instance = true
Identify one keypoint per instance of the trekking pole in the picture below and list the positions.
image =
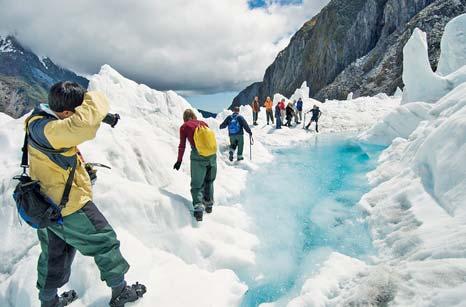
(251, 142)
(304, 121)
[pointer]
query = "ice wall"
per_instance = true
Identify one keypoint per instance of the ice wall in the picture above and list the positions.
(421, 83)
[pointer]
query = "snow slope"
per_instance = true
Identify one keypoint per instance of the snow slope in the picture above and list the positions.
(147, 202)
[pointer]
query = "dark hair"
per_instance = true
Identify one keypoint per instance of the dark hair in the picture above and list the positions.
(236, 109)
(66, 96)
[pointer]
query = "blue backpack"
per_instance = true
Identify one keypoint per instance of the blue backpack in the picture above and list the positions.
(234, 127)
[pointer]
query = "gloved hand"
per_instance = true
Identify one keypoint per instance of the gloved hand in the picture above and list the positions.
(111, 119)
(177, 165)
(92, 172)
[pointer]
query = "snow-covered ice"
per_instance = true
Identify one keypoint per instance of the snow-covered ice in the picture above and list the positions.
(147, 202)
(415, 210)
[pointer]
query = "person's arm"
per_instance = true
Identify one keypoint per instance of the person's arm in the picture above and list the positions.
(245, 125)
(225, 122)
(81, 126)
(182, 146)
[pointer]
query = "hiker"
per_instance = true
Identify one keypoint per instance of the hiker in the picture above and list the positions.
(316, 113)
(299, 109)
(72, 117)
(295, 113)
(278, 117)
(236, 125)
(281, 104)
(289, 114)
(255, 110)
(268, 104)
(203, 161)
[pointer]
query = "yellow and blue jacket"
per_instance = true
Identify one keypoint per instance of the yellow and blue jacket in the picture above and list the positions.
(52, 169)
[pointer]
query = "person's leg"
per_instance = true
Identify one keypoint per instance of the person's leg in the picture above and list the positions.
(317, 126)
(89, 232)
(209, 179)
(240, 142)
(300, 113)
(271, 116)
(233, 145)
(198, 174)
(53, 267)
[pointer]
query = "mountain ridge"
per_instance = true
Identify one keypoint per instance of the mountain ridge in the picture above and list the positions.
(322, 49)
(25, 78)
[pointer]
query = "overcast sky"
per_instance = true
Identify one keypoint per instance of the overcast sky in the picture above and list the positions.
(191, 46)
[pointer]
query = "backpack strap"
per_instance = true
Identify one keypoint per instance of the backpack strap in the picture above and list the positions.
(25, 163)
(67, 190)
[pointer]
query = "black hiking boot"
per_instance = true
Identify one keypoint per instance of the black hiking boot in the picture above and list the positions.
(198, 216)
(208, 209)
(64, 299)
(230, 157)
(128, 294)
(240, 158)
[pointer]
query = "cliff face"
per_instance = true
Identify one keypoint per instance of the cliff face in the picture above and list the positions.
(344, 47)
(380, 70)
(25, 79)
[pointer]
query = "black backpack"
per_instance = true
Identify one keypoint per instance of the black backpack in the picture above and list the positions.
(34, 207)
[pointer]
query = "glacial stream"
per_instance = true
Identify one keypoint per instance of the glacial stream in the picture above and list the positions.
(303, 206)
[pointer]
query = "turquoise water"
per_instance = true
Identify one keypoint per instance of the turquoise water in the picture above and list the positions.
(303, 208)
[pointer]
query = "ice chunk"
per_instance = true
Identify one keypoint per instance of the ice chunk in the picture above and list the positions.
(453, 46)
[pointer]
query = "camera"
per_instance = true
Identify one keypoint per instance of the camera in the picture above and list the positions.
(111, 119)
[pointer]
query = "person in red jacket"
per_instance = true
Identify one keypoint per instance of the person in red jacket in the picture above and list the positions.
(282, 107)
(203, 169)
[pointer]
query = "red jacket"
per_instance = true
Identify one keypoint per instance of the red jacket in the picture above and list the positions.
(281, 104)
(187, 132)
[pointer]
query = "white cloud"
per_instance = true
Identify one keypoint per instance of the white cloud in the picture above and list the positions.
(202, 45)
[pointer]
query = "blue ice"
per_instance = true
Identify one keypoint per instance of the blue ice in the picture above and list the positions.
(303, 205)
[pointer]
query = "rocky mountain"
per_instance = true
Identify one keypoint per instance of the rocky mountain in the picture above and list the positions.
(354, 46)
(25, 78)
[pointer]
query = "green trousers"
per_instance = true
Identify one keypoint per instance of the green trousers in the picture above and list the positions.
(237, 141)
(87, 231)
(203, 174)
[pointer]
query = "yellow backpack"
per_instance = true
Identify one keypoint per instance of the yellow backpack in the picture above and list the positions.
(205, 141)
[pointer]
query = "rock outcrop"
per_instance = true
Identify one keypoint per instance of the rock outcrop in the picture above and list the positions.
(354, 46)
(25, 78)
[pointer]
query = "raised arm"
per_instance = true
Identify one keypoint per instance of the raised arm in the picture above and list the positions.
(225, 122)
(81, 126)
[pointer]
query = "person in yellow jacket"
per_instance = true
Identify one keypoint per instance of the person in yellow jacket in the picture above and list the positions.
(72, 117)
(268, 104)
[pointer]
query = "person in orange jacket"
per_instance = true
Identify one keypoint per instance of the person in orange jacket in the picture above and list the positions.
(268, 104)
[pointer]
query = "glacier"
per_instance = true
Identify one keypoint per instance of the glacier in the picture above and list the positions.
(415, 209)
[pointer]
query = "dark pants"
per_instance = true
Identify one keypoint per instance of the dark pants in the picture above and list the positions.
(279, 121)
(255, 115)
(316, 120)
(87, 231)
(203, 174)
(269, 114)
(237, 141)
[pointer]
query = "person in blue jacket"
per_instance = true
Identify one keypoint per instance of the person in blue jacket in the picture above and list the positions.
(236, 125)
(278, 116)
(299, 108)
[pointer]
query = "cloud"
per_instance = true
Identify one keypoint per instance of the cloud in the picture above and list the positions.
(202, 46)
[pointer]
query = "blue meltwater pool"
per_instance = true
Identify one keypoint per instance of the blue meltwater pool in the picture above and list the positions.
(304, 206)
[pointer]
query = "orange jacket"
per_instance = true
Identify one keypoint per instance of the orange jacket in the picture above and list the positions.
(268, 104)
